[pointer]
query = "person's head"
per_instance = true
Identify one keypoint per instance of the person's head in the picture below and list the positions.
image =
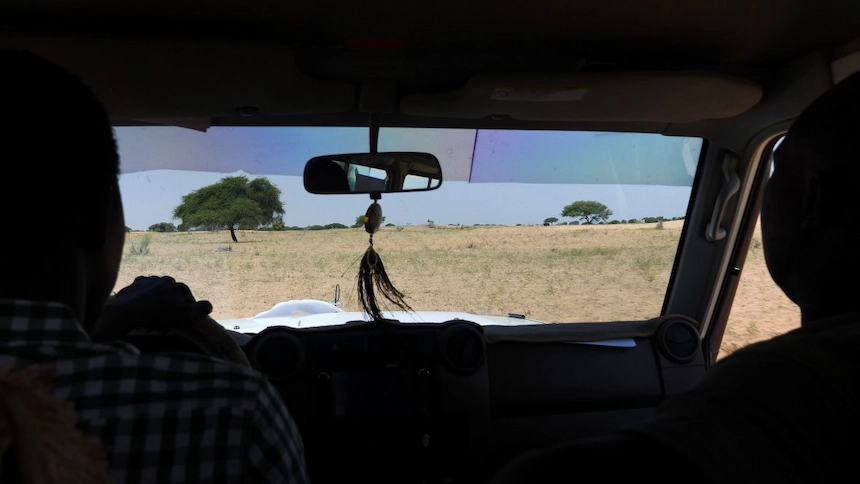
(811, 205)
(326, 176)
(62, 205)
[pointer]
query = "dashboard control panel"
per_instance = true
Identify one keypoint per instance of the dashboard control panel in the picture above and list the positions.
(404, 402)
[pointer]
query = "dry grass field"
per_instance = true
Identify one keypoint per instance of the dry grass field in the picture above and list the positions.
(558, 273)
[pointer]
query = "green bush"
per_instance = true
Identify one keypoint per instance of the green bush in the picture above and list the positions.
(162, 227)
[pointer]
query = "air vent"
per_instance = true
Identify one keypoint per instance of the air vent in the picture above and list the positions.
(678, 340)
(279, 355)
(463, 348)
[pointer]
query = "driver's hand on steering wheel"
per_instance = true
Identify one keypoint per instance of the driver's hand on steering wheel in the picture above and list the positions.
(150, 302)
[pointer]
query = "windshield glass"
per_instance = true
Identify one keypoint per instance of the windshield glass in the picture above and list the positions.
(555, 226)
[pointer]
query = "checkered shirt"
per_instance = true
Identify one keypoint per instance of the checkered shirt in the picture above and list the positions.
(180, 418)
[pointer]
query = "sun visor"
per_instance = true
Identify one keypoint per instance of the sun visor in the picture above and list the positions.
(161, 78)
(662, 97)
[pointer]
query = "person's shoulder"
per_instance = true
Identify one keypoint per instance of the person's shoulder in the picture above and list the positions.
(196, 366)
(145, 379)
(821, 358)
(832, 337)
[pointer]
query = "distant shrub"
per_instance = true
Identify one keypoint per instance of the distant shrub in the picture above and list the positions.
(279, 225)
(142, 246)
(162, 227)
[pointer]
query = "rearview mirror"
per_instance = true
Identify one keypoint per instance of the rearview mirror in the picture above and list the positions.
(392, 172)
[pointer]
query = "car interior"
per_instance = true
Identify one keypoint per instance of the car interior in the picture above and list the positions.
(673, 107)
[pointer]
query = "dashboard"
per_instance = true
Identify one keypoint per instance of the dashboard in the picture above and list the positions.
(450, 402)
(404, 403)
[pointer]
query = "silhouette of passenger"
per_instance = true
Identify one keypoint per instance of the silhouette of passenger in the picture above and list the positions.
(177, 417)
(326, 176)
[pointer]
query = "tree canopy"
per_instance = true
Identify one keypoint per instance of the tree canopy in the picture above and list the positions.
(550, 220)
(588, 211)
(162, 227)
(233, 202)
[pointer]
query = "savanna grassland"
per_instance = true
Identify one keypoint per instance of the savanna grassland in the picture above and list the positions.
(558, 273)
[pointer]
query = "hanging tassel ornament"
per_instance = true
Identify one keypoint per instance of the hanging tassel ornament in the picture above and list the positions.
(371, 273)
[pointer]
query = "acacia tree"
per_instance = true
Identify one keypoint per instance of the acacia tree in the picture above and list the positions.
(588, 211)
(233, 202)
(550, 220)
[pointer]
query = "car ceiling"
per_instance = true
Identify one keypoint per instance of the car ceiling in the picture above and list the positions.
(729, 32)
(345, 59)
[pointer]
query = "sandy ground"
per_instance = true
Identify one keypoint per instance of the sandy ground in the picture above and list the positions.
(760, 309)
(560, 273)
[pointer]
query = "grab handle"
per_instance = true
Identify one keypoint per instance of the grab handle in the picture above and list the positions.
(732, 184)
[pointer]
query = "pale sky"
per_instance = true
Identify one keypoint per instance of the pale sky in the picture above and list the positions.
(636, 176)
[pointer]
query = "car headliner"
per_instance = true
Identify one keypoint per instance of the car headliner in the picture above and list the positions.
(341, 60)
(726, 33)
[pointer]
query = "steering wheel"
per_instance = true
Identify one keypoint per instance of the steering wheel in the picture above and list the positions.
(202, 336)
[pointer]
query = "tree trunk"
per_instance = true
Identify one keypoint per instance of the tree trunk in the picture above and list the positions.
(233, 235)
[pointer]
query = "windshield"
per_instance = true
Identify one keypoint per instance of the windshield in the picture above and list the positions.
(555, 226)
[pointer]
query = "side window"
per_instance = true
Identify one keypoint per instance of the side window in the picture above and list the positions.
(760, 309)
